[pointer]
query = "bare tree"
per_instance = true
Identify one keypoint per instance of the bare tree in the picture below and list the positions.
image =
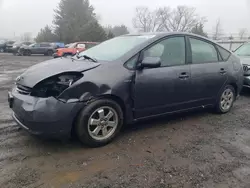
(242, 33)
(149, 21)
(182, 18)
(217, 30)
(26, 37)
(231, 37)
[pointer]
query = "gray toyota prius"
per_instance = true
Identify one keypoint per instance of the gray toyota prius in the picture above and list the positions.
(123, 80)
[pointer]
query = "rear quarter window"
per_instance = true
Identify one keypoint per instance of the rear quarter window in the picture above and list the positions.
(224, 53)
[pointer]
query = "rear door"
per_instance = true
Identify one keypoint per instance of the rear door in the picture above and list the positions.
(44, 48)
(208, 71)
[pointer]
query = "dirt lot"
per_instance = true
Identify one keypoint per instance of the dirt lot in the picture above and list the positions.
(197, 149)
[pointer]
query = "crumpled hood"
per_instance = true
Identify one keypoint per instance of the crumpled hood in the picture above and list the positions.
(41, 71)
(245, 60)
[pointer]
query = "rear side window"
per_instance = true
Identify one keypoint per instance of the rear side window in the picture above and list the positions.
(203, 52)
(81, 45)
(224, 53)
(45, 45)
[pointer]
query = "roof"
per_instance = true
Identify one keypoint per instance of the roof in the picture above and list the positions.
(162, 34)
(86, 42)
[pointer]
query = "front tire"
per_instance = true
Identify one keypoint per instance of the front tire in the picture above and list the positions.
(27, 53)
(225, 100)
(99, 123)
(66, 55)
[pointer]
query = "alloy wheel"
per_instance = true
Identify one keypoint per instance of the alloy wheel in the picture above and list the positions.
(227, 99)
(102, 123)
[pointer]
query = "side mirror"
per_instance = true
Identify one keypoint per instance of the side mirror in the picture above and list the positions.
(151, 62)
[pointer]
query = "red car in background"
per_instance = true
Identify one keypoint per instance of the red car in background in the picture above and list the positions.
(73, 48)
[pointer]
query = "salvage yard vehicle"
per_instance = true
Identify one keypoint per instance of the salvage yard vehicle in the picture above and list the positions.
(2, 46)
(17, 45)
(9, 45)
(6, 45)
(73, 49)
(123, 80)
(244, 53)
(38, 48)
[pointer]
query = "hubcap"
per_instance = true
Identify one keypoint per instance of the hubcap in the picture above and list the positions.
(102, 123)
(227, 99)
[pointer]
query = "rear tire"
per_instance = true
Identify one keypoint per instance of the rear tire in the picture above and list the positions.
(1, 50)
(99, 122)
(225, 100)
(50, 53)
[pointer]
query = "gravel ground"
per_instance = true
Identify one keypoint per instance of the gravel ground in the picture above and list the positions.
(198, 149)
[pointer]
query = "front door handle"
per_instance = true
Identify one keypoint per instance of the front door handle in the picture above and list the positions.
(222, 71)
(183, 75)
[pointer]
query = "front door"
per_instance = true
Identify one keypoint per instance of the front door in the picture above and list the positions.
(209, 71)
(167, 88)
(36, 49)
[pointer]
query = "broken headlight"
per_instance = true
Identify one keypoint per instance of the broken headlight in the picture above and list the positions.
(55, 85)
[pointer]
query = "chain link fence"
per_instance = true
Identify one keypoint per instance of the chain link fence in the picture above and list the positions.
(231, 44)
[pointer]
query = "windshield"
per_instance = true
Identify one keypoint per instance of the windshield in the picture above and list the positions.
(244, 50)
(72, 45)
(115, 48)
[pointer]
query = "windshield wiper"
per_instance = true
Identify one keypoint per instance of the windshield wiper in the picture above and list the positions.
(87, 57)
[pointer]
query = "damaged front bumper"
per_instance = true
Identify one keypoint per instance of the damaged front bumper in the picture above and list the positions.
(47, 117)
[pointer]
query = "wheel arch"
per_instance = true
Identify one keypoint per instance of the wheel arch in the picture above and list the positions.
(115, 98)
(67, 53)
(234, 85)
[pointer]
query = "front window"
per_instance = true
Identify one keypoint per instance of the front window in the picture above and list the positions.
(244, 50)
(171, 51)
(32, 45)
(73, 45)
(115, 48)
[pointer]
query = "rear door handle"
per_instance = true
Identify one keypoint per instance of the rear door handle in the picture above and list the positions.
(183, 75)
(222, 71)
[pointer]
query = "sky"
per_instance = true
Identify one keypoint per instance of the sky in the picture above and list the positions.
(19, 16)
